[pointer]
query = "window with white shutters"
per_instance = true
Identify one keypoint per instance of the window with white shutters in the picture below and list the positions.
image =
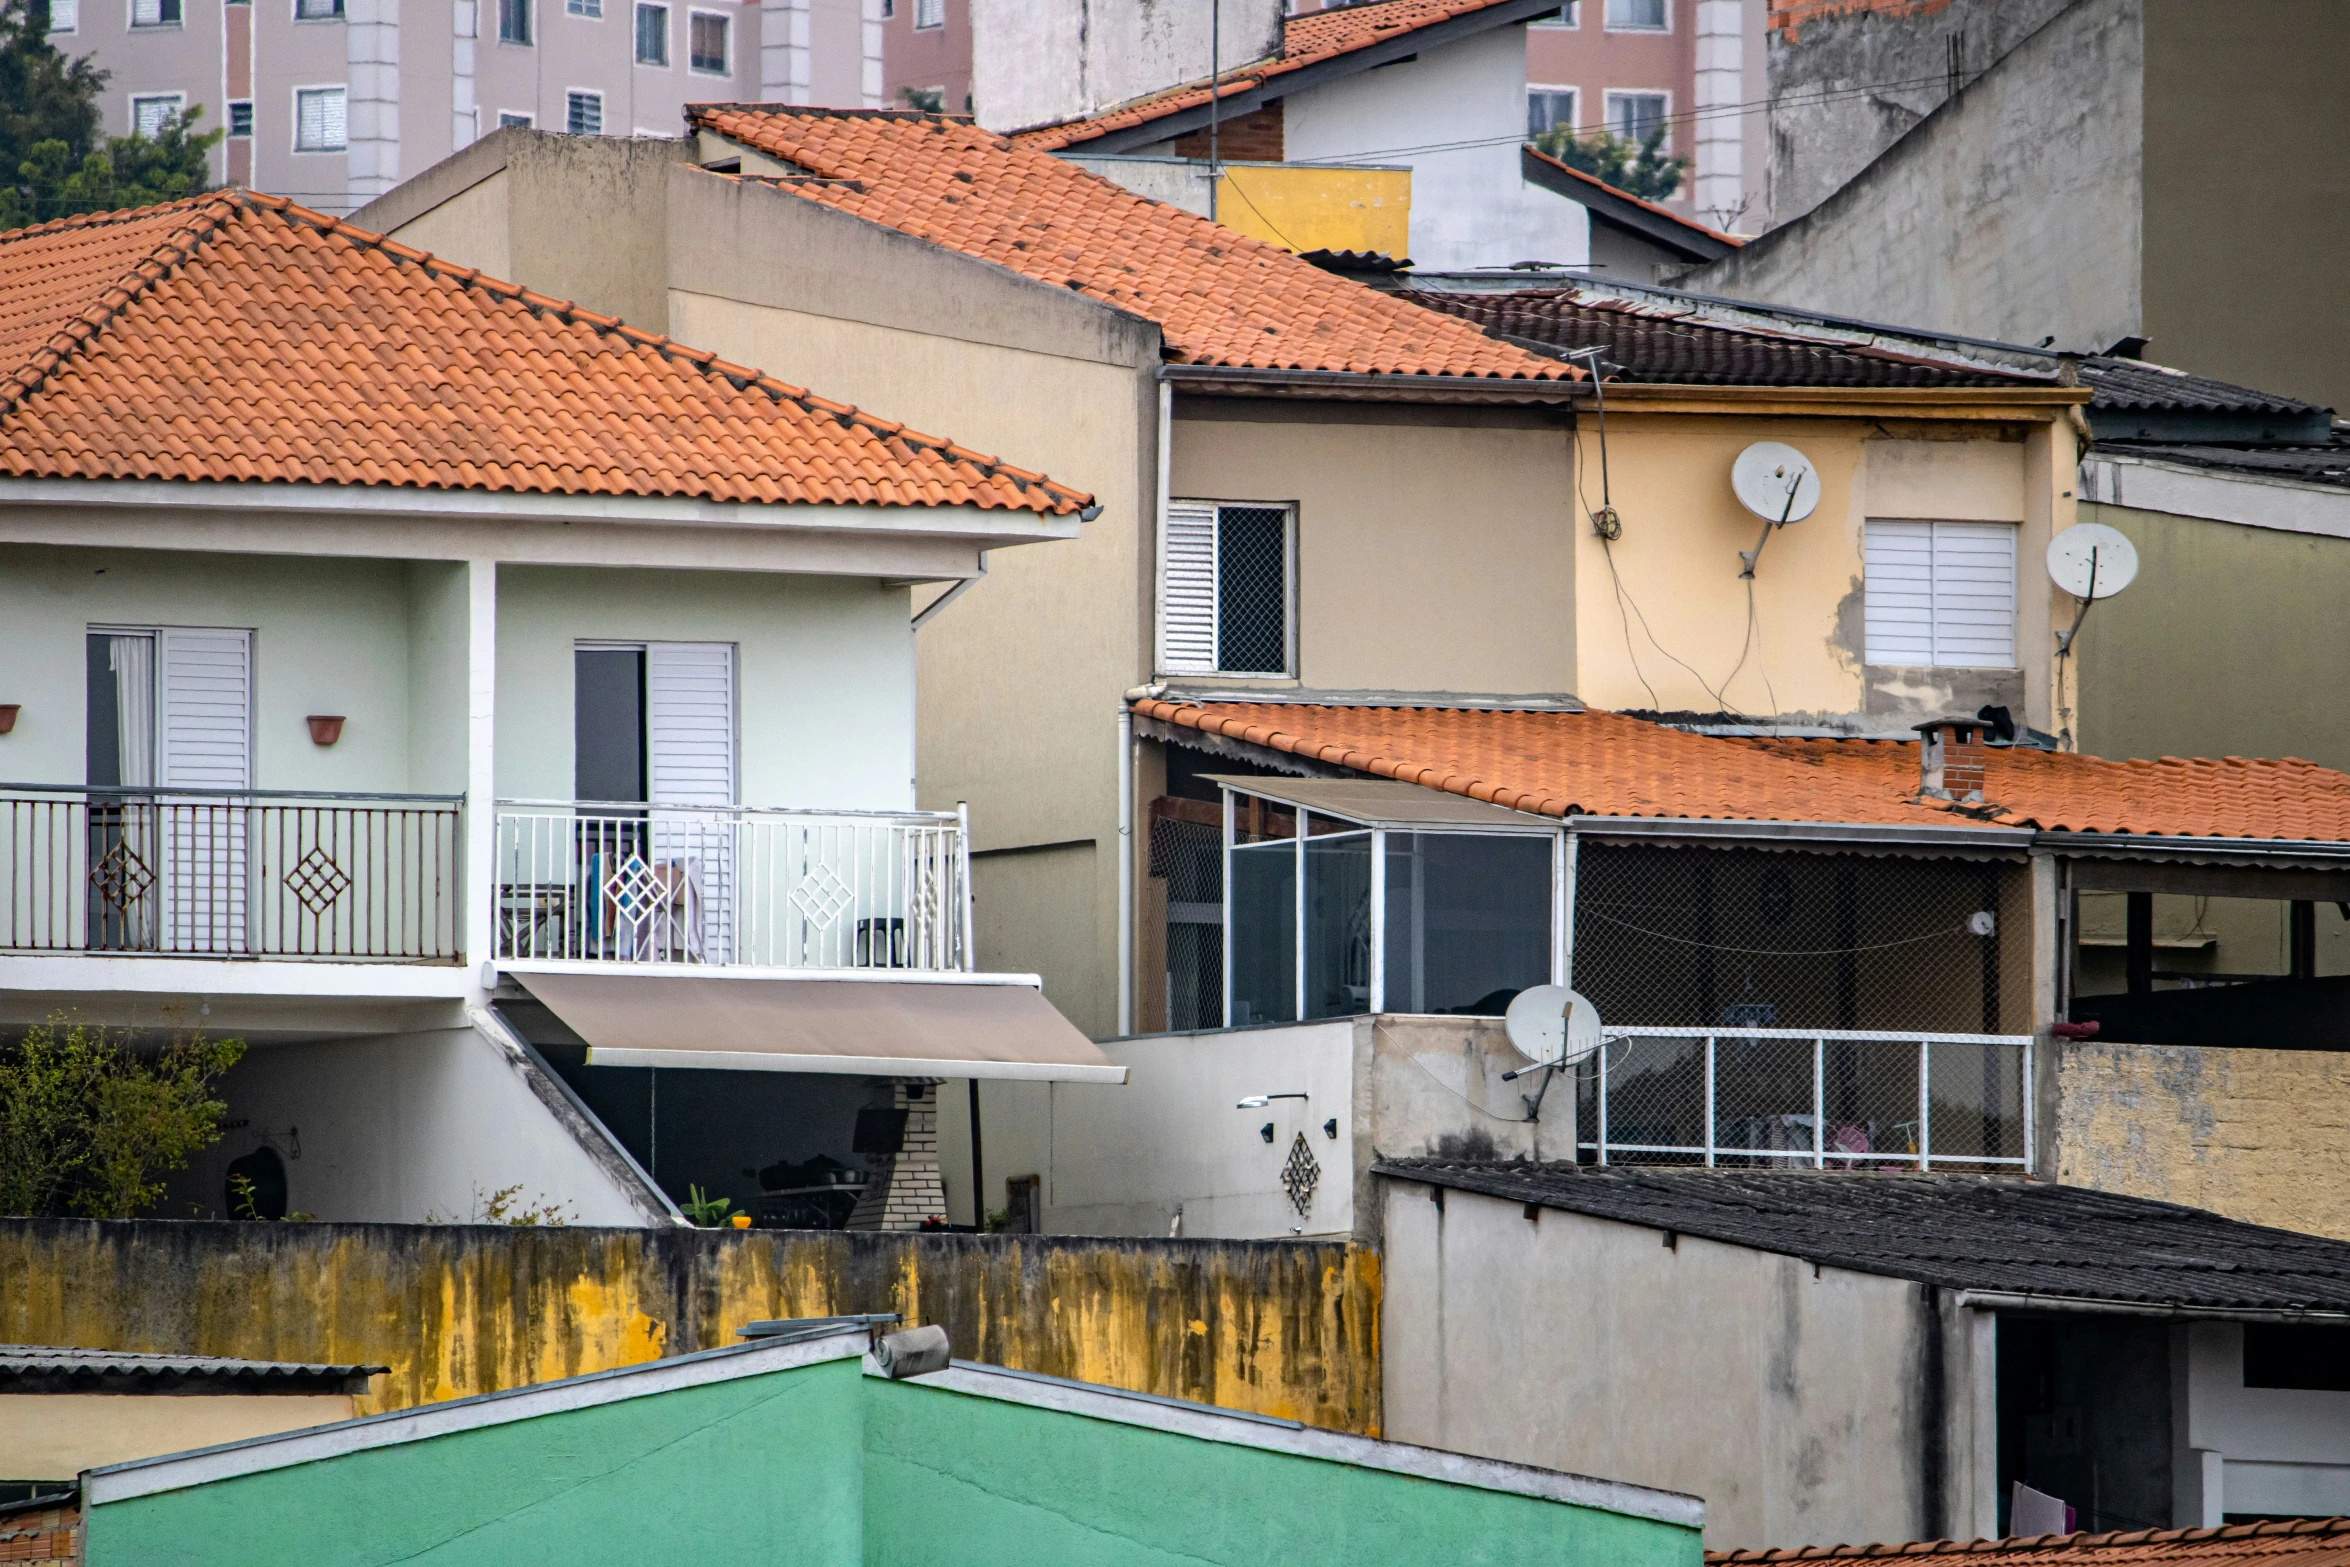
(1224, 590)
(65, 16)
(690, 757)
(149, 111)
(584, 113)
(1940, 594)
(319, 123)
(205, 722)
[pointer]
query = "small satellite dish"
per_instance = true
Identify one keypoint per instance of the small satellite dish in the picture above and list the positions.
(1551, 1024)
(1775, 482)
(2092, 561)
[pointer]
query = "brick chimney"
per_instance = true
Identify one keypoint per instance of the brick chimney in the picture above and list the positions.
(1951, 760)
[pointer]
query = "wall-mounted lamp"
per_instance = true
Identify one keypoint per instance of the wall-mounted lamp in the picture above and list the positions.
(8, 712)
(325, 729)
(1259, 1101)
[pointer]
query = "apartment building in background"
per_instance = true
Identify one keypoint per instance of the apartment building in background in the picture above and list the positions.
(926, 55)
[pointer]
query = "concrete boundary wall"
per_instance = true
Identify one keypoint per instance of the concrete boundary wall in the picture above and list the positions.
(1288, 1329)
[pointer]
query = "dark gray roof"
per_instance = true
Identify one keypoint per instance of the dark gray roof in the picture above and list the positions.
(49, 1368)
(2137, 401)
(2314, 464)
(1957, 1231)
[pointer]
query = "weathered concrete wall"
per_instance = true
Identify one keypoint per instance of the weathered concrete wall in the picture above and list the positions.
(1849, 79)
(2011, 212)
(2258, 1135)
(1278, 1328)
(1798, 1401)
(1037, 61)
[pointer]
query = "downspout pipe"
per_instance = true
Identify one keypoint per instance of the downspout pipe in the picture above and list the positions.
(1125, 870)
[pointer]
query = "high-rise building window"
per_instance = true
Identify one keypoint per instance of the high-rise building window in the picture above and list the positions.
(65, 16)
(652, 34)
(319, 120)
(583, 113)
(930, 13)
(706, 43)
(155, 13)
(514, 21)
(1638, 16)
(150, 110)
(240, 116)
(1636, 116)
(1549, 108)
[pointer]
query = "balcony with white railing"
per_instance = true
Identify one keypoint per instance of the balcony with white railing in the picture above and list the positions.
(245, 874)
(606, 884)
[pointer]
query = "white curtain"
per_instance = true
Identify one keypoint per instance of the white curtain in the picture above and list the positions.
(133, 660)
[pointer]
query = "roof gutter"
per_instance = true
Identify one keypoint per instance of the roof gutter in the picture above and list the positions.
(1241, 380)
(2151, 846)
(1863, 835)
(2025, 1300)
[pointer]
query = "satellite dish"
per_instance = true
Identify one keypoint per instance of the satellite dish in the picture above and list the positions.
(2092, 561)
(1775, 482)
(1550, 1023)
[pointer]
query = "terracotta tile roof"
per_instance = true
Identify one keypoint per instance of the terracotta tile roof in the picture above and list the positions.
(1606, 764)
(1305, 40)
(2299, 1542)
(1677, 344)
(1220, 297)
(236, 336)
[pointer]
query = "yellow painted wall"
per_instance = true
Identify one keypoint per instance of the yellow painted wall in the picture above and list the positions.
(55, 1436)
(1305, 206)
(2258, 1135)
(1285, 1329)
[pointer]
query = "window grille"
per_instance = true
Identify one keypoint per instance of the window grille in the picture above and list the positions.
(319, 123)
(1549, 108)
(706, 43)
(318, 10)
(1636, 16)
(514, 21)
(508, 118)
(1940, 594)
(149, 113)
(1225, 592)
(65, 16)
(652, 35)
(155, 13)
(240, 117)
(1636, 116)
(583, 113)
(930, 13)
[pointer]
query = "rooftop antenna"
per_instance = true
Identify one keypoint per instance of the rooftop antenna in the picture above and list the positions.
(2090, 561)
(1604, 521)
(1215, 99)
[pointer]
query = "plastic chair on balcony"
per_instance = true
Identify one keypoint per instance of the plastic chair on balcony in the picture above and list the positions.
(647, 911)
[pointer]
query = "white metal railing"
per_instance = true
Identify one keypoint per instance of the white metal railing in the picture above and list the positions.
(602, 883)
(1823, 1098)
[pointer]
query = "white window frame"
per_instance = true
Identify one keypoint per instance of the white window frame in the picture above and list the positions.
(530, 23)
(516, 118)
(1289, 604)
(337, 13)
(1876, 534)
(1664, 5)
(636, 41)
(935, 10)
(178, 101)
(133, 24)
(1608, 110)
(71, 10)
(585, 10)
(322, 87)
(571, 96)
(1575, 111)
(725, 20)
(1569, 18)
(234, 104)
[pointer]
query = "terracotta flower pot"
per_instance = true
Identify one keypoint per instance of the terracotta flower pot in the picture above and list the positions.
(325, 730)
(8, 712)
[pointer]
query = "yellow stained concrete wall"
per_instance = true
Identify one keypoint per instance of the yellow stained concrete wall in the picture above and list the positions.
(1434, 545)
(55, 1436)
(2258, 1135)
(1286, 1328)
(1663, 618)
(1307, 206)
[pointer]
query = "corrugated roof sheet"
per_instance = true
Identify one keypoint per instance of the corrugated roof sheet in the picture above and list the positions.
(2134, 384)
(2328, 464)
(53, 1360)
(1220, 297)
(1606, 764)
(236, 336)
(1679, 346)
(1976, 1232)
(1306, 40)
(2299, 1542)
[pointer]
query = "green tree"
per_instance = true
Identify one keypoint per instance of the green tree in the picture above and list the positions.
(89, 1126)
(43, 98)
(1639, 168)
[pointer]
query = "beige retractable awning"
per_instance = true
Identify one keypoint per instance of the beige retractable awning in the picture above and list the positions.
(876, 1027)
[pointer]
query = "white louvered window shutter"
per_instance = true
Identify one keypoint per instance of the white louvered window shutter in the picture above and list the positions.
(690, 757)
(1187, 590)
(1940, 594)
(206, 729)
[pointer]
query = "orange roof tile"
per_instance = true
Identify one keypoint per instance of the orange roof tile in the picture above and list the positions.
(236, 336)
(2299, 1542)
(1306, 40)
(1220, 297)
(1606, 764)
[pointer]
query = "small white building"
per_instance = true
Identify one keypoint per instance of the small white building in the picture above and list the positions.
(408, 672)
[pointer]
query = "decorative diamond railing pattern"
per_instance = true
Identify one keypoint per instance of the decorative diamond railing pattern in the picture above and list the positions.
(317, 880)
(120, 878)
(1300, 1174)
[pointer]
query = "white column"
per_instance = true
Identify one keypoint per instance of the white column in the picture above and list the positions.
(1720, 185)
(784, 72)
(464, 117)
(869, 76)
(372, 97)
(481, 722)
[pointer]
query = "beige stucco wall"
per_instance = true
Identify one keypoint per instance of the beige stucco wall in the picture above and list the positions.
(1662, 614)
(2258, 1135)
(1433, 544)
(55, 1436)
(470, 228)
